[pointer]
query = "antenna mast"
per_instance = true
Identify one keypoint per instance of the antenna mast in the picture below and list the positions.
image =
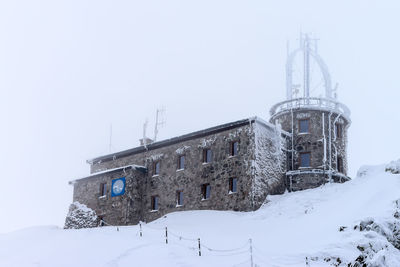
(160, 121)
(144, 132)
(306, 51)
(110, 144)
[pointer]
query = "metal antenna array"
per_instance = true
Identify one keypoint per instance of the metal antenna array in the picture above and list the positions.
(160, 121)
(110, 144)
(309, 50)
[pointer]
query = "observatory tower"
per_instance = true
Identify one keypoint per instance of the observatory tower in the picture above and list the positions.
(317, 120)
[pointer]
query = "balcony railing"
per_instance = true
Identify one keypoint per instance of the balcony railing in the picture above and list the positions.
(312, 103)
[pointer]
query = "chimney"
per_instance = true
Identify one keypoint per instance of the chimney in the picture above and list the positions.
(145, 141)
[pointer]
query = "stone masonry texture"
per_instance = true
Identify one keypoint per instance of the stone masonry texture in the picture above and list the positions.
(259, 168)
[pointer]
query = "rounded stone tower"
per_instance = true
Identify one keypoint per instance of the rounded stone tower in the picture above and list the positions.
(318, 123)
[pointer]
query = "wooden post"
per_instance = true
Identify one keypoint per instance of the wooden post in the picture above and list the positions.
(140, 225)
(251, 252)
(199, 247)
(166, 235)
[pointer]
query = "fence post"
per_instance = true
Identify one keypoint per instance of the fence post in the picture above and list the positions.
(140, 224)
(166, 235)
(199, 246)
(251, 252)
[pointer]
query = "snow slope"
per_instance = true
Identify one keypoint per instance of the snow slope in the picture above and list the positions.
(294, 229)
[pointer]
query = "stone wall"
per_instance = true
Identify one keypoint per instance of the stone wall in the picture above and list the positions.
(258, 166)
(313, 142)
(124, 209)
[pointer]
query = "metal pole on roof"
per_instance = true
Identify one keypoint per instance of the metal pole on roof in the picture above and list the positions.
(110, 144)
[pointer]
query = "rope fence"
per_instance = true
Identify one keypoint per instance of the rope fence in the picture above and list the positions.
(255, 256)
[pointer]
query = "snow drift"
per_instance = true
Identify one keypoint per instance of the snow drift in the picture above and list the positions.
(352, 224)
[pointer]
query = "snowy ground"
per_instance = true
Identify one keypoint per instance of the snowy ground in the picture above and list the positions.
(294, 229)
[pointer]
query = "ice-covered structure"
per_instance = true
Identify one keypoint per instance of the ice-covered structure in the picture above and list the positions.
(233, 166)
(317, 121)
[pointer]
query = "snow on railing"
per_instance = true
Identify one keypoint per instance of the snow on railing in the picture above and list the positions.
(317, 171)
(312, 103)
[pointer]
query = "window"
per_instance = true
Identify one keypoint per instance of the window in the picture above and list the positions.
(181, 162)
(179, 198)
(234, 148)
(206, 191)
(103, 189)
(232, 185)
(304, 126)
(338, 130)
(305, 159)
(207, 155)
(156, 168)
(339, 164)
(154, 203)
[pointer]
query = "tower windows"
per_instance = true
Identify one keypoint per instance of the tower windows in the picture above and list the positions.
(339, 130)
(154, 203)
(234, 147)
(304, 126)
(207, 155)
(206, 191)
(232, 185)
(305, 159)
(339, 164)
(181, 162)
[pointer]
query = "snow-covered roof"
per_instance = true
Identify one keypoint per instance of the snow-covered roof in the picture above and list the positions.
(182, 138)
(142, 169)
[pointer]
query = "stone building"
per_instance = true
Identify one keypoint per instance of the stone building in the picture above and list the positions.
(233, 166)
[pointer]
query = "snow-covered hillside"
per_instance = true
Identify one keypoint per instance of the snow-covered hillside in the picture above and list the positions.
(332, 225)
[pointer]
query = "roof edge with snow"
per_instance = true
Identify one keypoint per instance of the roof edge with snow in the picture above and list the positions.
(139, 168)
(182, 138)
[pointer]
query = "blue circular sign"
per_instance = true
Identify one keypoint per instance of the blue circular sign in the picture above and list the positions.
(118, 187)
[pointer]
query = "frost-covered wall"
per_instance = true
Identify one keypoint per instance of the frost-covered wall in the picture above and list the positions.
(258, 168)
(269, 164)
(320, 142)
(136, 203)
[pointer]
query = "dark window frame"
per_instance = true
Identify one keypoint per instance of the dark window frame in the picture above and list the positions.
(301, 159)
(207, 155)
(232, 151)
(339, 164)
(103, 189)
(204, 193)
(155, 170)
(155, 203)
(179, 198)
(180, 165)
(233, 185)
(308, 125)
(339, 130)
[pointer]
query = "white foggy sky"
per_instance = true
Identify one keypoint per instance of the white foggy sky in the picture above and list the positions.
(68, 69)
